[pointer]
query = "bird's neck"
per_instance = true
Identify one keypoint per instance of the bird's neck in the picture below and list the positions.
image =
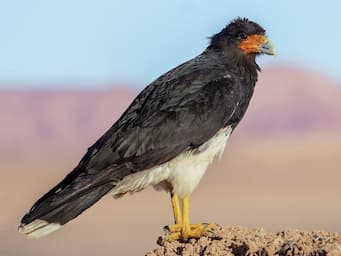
(244, 66)
(247, 68)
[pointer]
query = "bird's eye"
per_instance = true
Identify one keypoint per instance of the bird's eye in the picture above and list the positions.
(242, 36)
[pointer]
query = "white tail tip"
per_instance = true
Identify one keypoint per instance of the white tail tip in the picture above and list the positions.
(38, 228)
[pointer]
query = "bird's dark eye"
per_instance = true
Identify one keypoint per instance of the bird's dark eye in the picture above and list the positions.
(242, 36)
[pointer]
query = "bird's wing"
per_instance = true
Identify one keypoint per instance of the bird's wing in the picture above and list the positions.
(174, 117)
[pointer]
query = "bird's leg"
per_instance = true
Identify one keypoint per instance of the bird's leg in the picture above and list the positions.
(183, 230)
(177, 215)
(186, 229)
(192, 230)
(174, 230)
(176, 209)
(176, 212)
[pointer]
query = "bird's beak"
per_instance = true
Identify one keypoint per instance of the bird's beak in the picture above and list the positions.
(267, 48)
(258, 44)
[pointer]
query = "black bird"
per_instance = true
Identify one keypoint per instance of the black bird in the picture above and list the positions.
(167, 137)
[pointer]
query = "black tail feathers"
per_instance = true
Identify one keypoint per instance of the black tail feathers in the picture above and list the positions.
(55, 209)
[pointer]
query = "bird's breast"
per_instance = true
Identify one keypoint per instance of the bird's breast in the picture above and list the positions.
(187, 169)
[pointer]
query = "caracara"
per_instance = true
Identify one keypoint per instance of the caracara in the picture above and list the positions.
(167, 137)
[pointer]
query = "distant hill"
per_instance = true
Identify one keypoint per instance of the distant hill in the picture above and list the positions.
(293, 101)
(287, 101)
(58, 118)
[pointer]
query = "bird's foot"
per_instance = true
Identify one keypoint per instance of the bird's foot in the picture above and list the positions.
(178, 232)
(199, 226)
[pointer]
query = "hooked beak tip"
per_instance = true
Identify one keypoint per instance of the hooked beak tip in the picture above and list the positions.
(267, 48)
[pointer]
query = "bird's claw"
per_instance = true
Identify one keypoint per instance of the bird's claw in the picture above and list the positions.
(178, 233)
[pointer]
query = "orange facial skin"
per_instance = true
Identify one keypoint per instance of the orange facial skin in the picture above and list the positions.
(252, 43)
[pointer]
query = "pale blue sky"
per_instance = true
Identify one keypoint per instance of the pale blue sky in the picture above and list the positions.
(44, 43)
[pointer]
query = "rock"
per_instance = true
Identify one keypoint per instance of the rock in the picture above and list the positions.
(237, 241)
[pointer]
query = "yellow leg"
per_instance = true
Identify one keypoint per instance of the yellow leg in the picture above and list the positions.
(186, 229)
(177, 215)
(176, 209)
(183, 230)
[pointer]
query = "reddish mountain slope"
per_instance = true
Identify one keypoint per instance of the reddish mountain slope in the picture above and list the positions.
(287, 101)
(58, 118)
(293, 101)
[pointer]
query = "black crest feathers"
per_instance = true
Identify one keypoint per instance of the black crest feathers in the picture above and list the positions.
(234, 29)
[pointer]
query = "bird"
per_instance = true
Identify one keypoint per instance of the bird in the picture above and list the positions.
(167, 137)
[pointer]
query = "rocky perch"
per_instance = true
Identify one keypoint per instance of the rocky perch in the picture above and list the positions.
(237, 241)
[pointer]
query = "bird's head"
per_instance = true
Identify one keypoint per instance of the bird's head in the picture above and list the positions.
(243, 37)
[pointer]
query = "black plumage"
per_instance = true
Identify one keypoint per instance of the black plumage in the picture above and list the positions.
(178, 112)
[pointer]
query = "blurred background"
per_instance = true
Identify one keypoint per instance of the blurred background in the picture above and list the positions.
(69, 68)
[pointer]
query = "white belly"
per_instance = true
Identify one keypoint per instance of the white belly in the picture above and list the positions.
(182, 174)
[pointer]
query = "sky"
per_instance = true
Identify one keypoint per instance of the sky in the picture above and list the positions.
(87, 43)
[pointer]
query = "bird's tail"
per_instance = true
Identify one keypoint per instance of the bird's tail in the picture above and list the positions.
(64, 202)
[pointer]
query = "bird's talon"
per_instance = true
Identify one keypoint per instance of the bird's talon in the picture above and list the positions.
(197, 231)
(193, 227)
(172, 228)
(176, 232)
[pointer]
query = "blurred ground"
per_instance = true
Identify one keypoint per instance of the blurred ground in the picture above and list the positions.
(280, 170)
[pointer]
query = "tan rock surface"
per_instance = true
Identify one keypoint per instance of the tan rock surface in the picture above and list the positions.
(237, 241)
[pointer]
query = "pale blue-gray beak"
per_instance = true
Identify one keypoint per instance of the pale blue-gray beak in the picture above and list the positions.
(267, 48)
